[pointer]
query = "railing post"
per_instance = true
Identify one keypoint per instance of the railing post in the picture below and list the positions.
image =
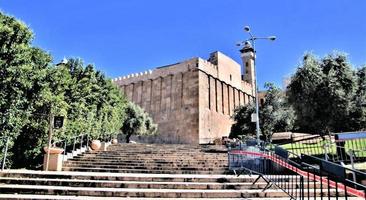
(73, 147)
(87, 142)
(63, 159)
(81, 141)
(351, 153)
(5, 152)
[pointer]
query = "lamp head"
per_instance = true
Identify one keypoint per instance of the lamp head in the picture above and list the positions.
(272, 38)
(246, 29)
(247, 44)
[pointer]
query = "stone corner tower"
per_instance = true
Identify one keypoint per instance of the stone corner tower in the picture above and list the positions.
(248, 57)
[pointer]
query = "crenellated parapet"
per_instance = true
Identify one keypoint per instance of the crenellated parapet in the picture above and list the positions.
(157, 73)
(132, 77)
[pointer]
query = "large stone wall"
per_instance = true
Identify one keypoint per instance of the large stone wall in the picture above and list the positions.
(170, 95)
(190, 101)
(220, 92)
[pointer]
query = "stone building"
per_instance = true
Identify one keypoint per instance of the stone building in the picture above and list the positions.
(192, 101)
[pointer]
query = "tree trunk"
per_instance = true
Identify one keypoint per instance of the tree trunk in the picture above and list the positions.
(128, 138)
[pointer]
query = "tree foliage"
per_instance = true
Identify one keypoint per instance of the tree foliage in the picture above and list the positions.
(23, 69)
(323, 94)
(358, 111)
(274, 115)
(242, 121)
(137, 122)
(31, 88)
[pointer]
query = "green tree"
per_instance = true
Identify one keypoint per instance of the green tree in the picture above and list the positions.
(242, 121)
(96, 104)
(275, 114)
(28, 145)
(23, 69)
(31, 88)
(137, 122)
(358, 113)
(322, 92)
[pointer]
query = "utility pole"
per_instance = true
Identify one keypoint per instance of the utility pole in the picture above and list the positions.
(249, 52)
(50, 133)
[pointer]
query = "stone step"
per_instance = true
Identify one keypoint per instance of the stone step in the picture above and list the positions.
(161, 159)
(154, 156)
(131, 184)
(156, 171)
(148, 167)
(153, 193)
(143, 166)
(93, 159)
(218, 178)
(62, 197)
(155, 146)
(140, 184)
(155, 150)
(177, 153)
(170, 152)
(173, 164)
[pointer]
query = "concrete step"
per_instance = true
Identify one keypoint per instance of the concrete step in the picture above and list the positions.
(147, 171)
(141, 184)
(167, 158)
(131, 184)
(152, 193)
(218, 178)
(133, 192)
(63, 197)
(149, 167)
(173, 164)
(116, 160)
(176, 153)
(160, 157)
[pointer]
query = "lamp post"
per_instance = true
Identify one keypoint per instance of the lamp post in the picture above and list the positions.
(250, 43)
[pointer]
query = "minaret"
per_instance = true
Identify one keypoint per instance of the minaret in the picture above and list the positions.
(248, 58)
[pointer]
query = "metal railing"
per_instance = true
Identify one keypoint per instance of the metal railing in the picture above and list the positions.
(5, 144)
(301, 177)
(74, 143)
(327, 147)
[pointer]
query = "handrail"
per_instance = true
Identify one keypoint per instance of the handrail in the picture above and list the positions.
(329, 148)
(78, 142)
(5, 151)
(263, 161)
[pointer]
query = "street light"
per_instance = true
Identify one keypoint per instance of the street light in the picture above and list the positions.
(250, 43)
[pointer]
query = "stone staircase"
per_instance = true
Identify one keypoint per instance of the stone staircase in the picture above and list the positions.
(140, 171)
(155, 159)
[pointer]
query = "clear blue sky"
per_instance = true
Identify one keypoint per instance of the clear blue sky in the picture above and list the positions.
(122, 37)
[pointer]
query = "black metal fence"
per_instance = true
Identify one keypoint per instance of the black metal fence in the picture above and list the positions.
(301, 177)
(347, 148)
